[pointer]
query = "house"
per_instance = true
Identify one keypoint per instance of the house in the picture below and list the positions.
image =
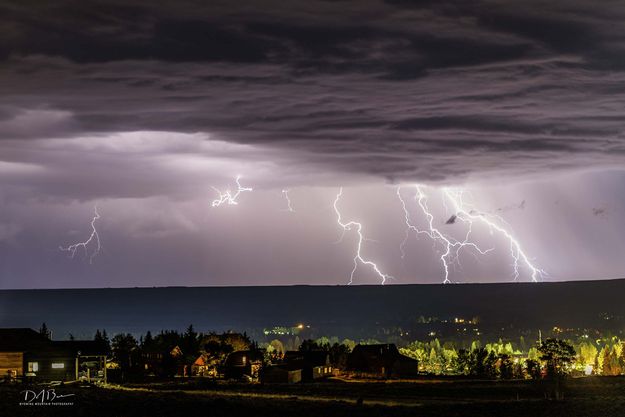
(206, 365)
(315, 364)
(152, 359)
(281, 374)
(242, 364)
(200, 366)
(382, 360)
(159, 360)
(25, 353)
(16, 345)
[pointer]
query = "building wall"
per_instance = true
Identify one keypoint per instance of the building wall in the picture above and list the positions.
(321, 372)
(50, 368)
(282, 376)
(406, 368)
(11, 361)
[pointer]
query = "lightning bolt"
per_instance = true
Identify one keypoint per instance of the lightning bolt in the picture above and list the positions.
(451, 246)
(289, 208)
(358, 259)
(469, 214)
(409, 225)
(93, 237)
(228, 197)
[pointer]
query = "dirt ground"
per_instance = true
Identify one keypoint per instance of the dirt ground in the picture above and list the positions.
(584, 397)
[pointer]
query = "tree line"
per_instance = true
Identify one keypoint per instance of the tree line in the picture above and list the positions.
(501, 359)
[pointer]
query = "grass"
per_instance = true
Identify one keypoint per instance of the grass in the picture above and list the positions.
(597, 396)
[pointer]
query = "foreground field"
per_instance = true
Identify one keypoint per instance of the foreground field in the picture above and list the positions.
(584, 397)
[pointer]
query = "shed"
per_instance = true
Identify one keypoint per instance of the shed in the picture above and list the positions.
(281, 374)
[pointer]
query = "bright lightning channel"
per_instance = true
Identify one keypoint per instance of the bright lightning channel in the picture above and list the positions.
(94, 237)
(358, 256)
(452, 247)
(467, 214)
(289, 207)
(409, 225)
(228, 197)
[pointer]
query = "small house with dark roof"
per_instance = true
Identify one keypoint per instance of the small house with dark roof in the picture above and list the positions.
(381, 360)
(25, 353)
(315, 364)
(281, 374)
(242, 364)
(152, 359)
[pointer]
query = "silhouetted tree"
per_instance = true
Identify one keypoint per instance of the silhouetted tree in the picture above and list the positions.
(533, 369)
(479, 362)
(308, 345)
(190, 344)
(505, 366)
(124, 345)
(148, 340)
(464, 362)
(43, 330)
(557, 354)
(103, 341)
(338, 355)
(490, 365)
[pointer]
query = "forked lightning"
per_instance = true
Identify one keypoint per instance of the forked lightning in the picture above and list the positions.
(468, 214)
(94, 237)
(451, 246)
(358, 259)
(228, 197)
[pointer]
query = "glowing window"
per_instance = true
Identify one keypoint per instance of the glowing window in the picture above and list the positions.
(58, 365)
(33, 366)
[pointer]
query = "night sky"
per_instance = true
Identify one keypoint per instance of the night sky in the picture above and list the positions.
(141, 108)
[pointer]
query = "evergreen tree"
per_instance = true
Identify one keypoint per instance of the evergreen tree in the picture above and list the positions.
(43, 330)
(148, 340)
(103, 341)
(124, 345)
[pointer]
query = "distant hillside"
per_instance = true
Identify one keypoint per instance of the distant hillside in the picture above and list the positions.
(348, 310)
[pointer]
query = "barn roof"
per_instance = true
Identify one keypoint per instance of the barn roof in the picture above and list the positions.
(21, 339)
(25, 339)
(377, 349)
(307, 357)
(372, 357)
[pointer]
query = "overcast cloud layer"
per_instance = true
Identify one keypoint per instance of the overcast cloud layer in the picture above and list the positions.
(145, 105)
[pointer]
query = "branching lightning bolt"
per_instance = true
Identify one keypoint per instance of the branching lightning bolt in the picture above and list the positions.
(409, 225)
(469, 215)
(358, 256)
(94, 237)
(228, 197)
(452, 247)
(289, 207)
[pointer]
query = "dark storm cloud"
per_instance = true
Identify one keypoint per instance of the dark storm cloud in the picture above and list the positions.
(139, 107)
(401, 90)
